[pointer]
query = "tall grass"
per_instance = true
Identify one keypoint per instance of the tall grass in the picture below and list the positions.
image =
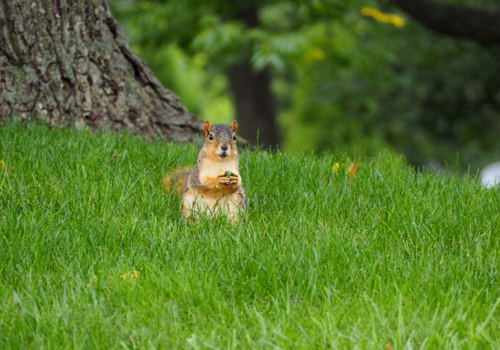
(94, 253)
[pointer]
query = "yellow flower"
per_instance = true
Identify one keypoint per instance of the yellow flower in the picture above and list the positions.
(134, 274)
(398, 21)
(336, 167)
(382, 17)
(4, 166)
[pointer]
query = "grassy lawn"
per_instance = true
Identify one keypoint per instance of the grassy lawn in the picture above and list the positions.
(93, 253)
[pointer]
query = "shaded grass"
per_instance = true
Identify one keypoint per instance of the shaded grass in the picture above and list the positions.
(394, 257)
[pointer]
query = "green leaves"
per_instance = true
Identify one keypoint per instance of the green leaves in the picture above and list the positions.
(231, 41)
(216, 28)
(275, 49)
(225, 42)
(341, 80)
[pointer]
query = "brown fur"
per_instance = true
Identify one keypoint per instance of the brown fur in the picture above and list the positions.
(176, 180)
(207, 189)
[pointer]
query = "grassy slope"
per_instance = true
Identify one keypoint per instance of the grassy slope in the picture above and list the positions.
(392, 258)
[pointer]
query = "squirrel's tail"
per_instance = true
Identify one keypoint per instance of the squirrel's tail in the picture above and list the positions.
(176, 179)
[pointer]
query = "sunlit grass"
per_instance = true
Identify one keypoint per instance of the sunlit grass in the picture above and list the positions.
(94, 253)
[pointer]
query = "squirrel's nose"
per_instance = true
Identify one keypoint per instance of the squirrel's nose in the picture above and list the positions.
(223, 147)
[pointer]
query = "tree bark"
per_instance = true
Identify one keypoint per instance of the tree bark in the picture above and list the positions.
(458, 21)
(254, 100)
(68, 62)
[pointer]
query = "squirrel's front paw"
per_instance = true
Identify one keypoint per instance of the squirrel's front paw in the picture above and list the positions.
(224, 180)
(233, 179)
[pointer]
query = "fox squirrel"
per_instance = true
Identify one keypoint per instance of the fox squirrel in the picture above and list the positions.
(213, 185)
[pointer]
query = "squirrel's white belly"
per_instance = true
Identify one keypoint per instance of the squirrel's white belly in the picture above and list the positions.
(218, 168)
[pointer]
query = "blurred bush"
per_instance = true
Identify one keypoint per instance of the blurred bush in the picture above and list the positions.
(377, 85)
(356, 76)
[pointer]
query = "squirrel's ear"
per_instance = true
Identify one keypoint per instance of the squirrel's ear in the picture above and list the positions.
(234, 125)
(207, 127)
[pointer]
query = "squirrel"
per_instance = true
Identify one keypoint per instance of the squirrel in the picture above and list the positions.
(213, 186)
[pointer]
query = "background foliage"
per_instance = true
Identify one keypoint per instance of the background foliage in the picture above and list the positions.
(342, 79)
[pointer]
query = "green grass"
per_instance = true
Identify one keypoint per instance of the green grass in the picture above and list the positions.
(394, 257)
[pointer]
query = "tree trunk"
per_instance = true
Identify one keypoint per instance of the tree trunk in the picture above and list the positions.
(254, 104)
(68, 62)
(457, 21)
(252, 93)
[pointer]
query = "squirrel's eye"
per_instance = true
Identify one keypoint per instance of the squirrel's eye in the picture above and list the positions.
(210, 137)
(234, 137)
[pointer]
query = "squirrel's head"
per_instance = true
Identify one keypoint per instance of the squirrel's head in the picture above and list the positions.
(220, 140)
